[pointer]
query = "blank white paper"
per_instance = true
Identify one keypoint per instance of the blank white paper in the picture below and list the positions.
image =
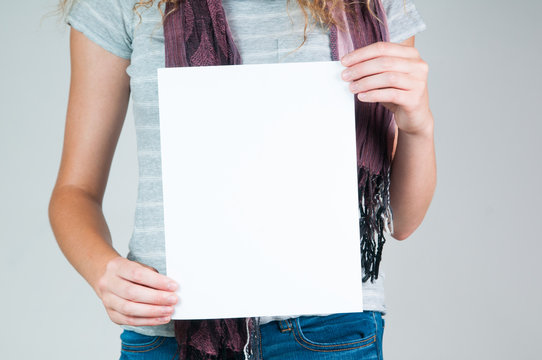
(260, 191)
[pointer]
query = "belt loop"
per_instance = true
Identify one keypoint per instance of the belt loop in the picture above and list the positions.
(284, 325)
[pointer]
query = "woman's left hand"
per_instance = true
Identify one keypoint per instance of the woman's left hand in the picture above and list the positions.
(394, 75)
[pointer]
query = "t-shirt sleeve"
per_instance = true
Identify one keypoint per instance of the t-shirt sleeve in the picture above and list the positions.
(404, 20)
(108, 23)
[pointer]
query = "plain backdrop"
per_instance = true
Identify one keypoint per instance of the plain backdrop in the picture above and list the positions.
(465, 285)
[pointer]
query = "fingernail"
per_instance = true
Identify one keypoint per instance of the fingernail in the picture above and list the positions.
(172, 286)
(164, 318)
(346, 74)
(172, 299)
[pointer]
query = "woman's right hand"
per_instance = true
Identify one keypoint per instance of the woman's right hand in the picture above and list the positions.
(136, 294)
(132, 293)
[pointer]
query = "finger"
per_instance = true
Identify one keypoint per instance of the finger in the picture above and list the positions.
(121, 319)
(142, 294)
(139, 274)
(384, 80)
(130, 308)
(379, 49)
(380, 65)
(147, 266)
(394, 96)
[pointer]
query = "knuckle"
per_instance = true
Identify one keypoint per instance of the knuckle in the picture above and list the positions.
(137, 275)
(424, 66)
(114, 319)
(131, 292)
(126, 308)
(117, 318)
(380, 47)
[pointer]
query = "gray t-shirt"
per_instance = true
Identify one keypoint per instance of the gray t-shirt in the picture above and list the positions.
(265, 31)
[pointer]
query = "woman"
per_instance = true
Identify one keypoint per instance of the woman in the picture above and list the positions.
(115, 51)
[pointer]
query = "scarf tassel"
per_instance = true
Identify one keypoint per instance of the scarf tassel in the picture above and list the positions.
(375, 219)
(194, 353)
(217, 339)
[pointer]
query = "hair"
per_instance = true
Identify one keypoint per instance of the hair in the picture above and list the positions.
(312, 9)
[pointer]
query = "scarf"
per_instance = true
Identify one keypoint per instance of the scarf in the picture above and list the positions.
(196, 33)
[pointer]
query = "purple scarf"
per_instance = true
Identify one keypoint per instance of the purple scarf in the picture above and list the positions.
(197, 34)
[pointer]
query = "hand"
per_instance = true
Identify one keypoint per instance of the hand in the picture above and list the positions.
(394, 75)
(136, 294)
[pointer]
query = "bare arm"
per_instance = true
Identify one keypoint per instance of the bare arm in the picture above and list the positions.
(99, 94)
(98, 100)
(413, 176)
(396, 76)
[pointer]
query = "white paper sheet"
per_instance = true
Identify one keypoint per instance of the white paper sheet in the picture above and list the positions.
(260, 189)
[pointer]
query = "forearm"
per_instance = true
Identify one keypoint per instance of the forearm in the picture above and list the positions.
(413, 179)
(81, 231)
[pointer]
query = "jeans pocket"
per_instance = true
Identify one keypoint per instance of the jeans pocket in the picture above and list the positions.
(134, 342)
(336, 332)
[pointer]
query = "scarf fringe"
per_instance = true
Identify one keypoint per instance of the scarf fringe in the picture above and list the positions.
(193, 353)
(216, 339)
(375, 218)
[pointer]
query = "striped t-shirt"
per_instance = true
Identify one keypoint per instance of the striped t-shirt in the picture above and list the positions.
(265, 31)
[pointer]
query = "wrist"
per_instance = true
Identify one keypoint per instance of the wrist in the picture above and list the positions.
(102, 265)
(424, 127)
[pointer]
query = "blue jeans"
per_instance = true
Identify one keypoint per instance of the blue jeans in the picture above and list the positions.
(345, 336)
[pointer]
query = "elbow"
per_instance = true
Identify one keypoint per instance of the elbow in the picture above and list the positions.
(401, 235)
(55, 204)
(405, 226)
(51, 207)
(403, 232)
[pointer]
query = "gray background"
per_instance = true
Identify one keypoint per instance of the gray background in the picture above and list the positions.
(465, 285)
